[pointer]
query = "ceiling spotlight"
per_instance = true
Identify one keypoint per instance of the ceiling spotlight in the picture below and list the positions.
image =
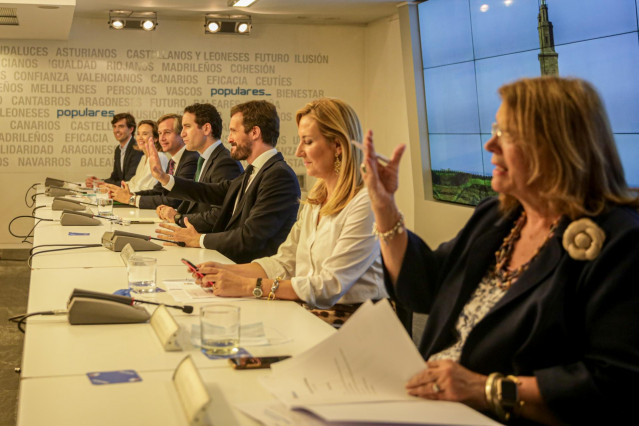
(242, 27)
(227, 24)
(148, 25)
(117, 24)
(132, 20)
(240, 3)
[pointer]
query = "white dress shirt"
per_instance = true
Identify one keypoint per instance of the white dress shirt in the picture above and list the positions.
(334, 261)
(143, 178)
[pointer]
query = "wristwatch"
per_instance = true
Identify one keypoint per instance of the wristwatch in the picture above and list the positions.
(132, 200)
(176, 218)
(507, 395)
(502, 396)
(257, 291)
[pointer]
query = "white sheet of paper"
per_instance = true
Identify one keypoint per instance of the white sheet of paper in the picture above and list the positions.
(420, 412)
(370, 359)
(186, 291)
(274, 413)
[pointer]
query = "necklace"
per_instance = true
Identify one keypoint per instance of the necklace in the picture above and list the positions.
(504, 278)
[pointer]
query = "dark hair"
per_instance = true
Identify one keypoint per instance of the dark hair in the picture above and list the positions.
(130, 120)
(260, 114)
(207, 113)
(154, 130)
(177, 122)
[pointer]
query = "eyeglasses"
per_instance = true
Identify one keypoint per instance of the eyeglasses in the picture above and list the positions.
(496, 131)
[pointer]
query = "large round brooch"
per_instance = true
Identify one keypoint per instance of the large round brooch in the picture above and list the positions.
(583, 239)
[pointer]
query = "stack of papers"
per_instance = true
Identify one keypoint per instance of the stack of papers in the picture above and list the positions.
(358, 375)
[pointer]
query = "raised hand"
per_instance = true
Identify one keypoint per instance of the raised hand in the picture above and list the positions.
(154, 163)
(381, 180)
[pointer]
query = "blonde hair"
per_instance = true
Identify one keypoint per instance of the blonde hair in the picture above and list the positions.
(337, 122)
(562, 128)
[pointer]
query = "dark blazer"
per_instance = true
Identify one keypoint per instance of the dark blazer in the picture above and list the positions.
(151, 198)
(263, 218)
(217, 168)
(131, 159)
(574, 325)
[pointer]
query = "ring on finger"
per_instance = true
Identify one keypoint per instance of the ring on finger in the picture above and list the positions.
(436, 388)
(363, 167)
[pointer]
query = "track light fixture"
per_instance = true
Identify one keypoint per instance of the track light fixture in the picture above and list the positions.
(240, 3)
(227, 24)
(132, 20)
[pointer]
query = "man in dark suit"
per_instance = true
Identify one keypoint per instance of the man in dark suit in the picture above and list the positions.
(201, 132)
(125, 158)
(183, 163)
(260, 206)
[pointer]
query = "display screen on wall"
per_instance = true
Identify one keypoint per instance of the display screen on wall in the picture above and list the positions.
(472, 47)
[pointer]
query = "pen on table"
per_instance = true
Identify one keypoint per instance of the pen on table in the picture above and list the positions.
(78, 233)
(380, 157)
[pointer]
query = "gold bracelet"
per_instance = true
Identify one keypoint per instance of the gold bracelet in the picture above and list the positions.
(489, 390)
(502, 407)
(274, 287)
(397, 229)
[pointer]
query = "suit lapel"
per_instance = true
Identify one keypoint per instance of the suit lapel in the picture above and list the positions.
(127, 153)
(208, 164)
(251, 189)
(206, 167)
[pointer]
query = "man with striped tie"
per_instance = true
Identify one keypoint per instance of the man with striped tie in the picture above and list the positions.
(183, 163)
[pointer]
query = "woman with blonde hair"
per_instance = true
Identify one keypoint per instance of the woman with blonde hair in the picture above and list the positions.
(533, 307)
(329, 260)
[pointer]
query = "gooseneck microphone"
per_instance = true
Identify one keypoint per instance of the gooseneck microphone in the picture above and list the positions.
(187, 309)
(122, 299)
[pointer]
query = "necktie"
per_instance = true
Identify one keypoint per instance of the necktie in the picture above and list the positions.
(171, 168)
(200, 161)
(245, 181)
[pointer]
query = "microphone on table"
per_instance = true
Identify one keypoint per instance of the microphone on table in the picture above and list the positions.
(55, 191)
(61, 203)
(59, 183)
(76, 218)
(187, 309)
(92, 307)
(117, 240)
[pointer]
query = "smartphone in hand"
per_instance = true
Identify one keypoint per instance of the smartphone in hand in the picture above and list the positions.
(192, 268)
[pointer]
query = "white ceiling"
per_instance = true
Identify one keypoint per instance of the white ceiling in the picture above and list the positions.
(54, 24)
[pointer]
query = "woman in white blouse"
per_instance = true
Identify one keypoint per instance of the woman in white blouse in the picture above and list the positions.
(330, 258)
(143, 179)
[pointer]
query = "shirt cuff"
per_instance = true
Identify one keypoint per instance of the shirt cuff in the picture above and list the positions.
(137, 201)
(202, 240)
(169, 185)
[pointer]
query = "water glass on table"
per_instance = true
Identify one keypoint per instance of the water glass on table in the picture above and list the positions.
(142, 272)
(105, 206)
(220, 329)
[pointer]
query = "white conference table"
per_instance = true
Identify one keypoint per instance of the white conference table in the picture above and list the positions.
(54, 387)
(73, 400)
(47, 233)
(56, 348)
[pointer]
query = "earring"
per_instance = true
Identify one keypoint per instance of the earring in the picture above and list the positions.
(337, 165)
